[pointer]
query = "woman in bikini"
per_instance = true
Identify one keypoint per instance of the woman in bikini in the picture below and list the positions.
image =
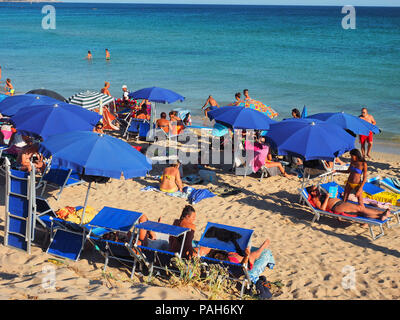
(358, 167)
(325, 203)
(171, 179)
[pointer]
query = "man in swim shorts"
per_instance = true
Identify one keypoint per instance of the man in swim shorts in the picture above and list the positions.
(212, 105)
(368, 139)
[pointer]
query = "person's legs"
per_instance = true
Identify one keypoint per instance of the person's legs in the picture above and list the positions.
(362, 143)
(278, 165)
(143, 233)
(369, 142)
(256, 253)
(362, 211)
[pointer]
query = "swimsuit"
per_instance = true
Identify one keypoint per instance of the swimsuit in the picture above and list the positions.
(336, 205)
(355, 170)
(167, 176)
(368, 138)
(354, 185)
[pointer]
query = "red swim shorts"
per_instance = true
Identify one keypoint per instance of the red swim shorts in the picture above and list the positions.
(368, 138)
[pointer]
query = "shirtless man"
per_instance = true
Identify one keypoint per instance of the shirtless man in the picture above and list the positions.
(369, 139)
(246, 94)
(212, 105)
(171, 179)
(164, 123)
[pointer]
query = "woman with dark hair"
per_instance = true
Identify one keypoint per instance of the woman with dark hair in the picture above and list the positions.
(325, 203)
(296, 113)
(186, 220)
(355, 183)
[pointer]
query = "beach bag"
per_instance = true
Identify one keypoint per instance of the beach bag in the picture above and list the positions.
(63, 213)
(263, 288)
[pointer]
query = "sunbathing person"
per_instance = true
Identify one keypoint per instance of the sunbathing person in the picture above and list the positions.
(186, 220)
(171, 179)
(325, 203)
(269, 163)
(163, 123)
(358, 167)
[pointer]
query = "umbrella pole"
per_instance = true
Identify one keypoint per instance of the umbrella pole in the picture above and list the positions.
(86, 200)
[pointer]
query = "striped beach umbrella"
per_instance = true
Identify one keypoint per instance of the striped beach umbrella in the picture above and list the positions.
(90, 99)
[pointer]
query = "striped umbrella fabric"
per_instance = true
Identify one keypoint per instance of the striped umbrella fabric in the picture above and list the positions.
(90, 99)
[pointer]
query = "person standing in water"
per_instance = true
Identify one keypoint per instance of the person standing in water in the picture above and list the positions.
(89, 55)
(9, 88)
(108, 57)
(105, 88)
(369, 138)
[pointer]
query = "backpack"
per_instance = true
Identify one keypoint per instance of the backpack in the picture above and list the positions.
(263, 288)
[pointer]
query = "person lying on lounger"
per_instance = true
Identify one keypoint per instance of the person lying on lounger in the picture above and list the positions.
(171, 179)
(186, 220)
(322, 201)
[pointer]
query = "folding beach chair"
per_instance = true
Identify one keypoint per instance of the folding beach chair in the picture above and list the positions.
(59, 177)
(154, 257)
(237, 271)
(304, 198)
(315, 171)
(19, 208)
(113, 220)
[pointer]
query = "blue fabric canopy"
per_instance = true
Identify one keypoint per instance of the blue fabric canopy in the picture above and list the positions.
(156, 94)
(240, 118)
(11, 105)
(347, 121)
(309, 139)
(50, 119)
(95, 154)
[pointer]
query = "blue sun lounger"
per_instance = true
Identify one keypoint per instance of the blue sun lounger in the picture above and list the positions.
(387, 183)
(371, 222)
(236, 270)
(152, 256)
(59, 178)
(113, 220)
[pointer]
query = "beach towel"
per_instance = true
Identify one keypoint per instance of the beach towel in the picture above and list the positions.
(108, 119)
(265, 260)
(199, 194)
(176, 194)
(260, 155)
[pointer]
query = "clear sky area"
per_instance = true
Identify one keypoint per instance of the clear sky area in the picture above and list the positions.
(389, 3)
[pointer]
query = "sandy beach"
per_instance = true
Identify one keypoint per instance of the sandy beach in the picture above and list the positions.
(312, 261)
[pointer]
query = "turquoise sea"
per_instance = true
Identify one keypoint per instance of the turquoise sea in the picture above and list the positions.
(287, 56)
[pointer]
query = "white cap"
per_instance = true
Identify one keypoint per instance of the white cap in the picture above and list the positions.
(124, 86)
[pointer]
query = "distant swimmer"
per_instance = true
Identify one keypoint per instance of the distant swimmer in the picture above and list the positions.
(9, 88)
(105, 88)
(89, 55)
(108, 55)
(237, 99)
(212, 105)
(369, 138)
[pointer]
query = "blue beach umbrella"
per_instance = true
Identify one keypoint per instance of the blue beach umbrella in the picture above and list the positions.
(309, 139)
(94, 154)
(347, 122)
(50, 119)
(240, 118)
(3, 96)
(11, 105)
(156, 94)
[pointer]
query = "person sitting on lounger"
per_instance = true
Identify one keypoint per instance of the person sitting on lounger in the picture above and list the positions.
(30, 154)
(164, 123)
(171, 179)
(249, 257)
(269, 163)
(186, 220)
(325, 203)
(358, 167)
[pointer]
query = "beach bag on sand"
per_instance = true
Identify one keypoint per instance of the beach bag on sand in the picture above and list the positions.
(263, 288)
(63, 213)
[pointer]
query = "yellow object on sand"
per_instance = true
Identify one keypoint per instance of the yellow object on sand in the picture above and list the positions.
(384, 196)
(76, 217)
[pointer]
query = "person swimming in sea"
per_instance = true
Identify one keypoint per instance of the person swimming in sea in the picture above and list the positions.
(357, 176)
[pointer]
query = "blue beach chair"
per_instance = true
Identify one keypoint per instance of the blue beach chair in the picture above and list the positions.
(154, 257)
(371, 222)
(237, 271)
(59, 177)
(113, 220)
